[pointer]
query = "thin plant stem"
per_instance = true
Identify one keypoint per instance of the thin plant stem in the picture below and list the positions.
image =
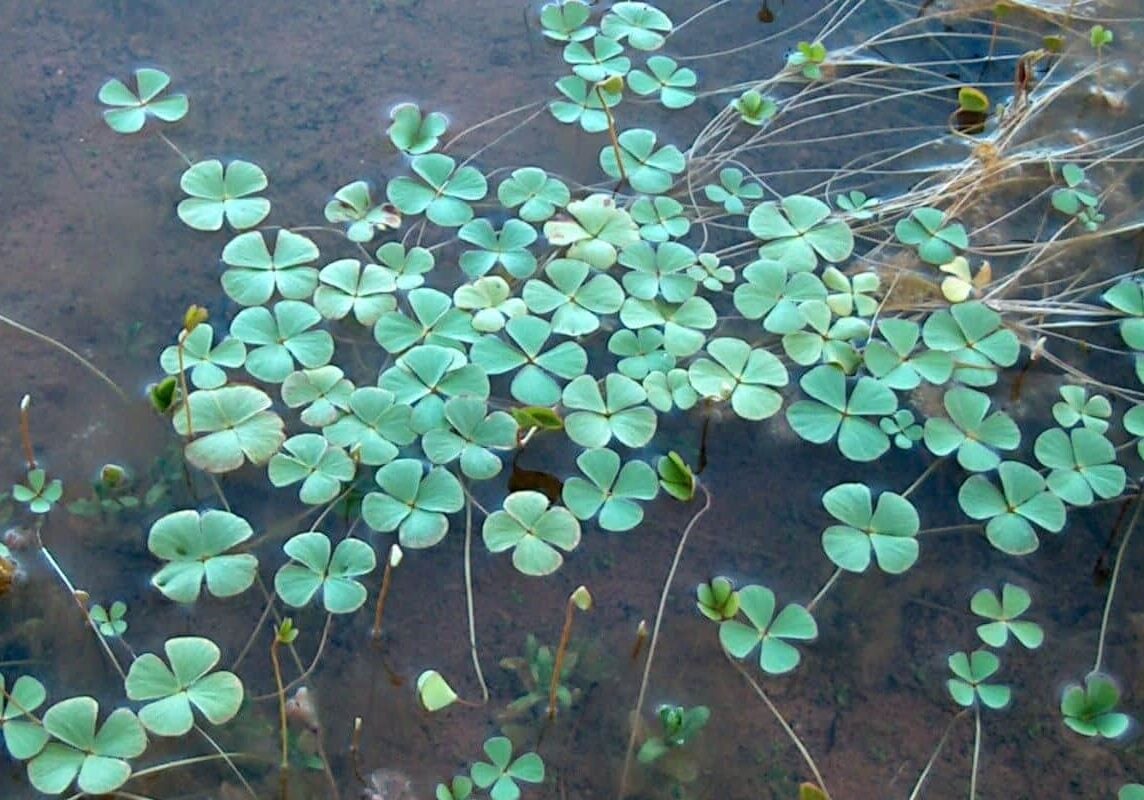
(305, 674)
(562, 648)
(229, 761)
(1112, 582)
(61, 346)
(976, 751)
(183, 383)
(921, 478)
(469, 599)
(284, 763)
(175, 148)
(825, 588)
(379, 608)
(794, 737)
(612, 135)
(638, 710)
(933, 756)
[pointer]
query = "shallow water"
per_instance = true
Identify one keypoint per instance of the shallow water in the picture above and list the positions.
(96, 257)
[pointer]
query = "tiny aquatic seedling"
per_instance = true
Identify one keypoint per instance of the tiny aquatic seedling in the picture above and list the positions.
(581, 599)
(1098, 37)
(1088, 709)
(718, 599)
(676, 477)
(130, 109)
(219, 194)
(1003, 612)
(412, 133)
(807, 59)
(972, 110)
(536, 670)
(858, 204)
(38, 493)
(754, 108)
(500, 776)
(971, 671)
(433, 691)
(353, 205)
(110, 621)
(1077, 202)
(679, 725)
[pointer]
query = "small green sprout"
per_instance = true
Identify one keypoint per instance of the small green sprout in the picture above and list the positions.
(808, 58)
(38, 493)
(718, 599)
(110, 620)
(680, 725)
(754, 108)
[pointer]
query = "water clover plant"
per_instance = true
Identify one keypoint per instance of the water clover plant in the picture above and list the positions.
(435, 320)
(658, 271)
(742, 374)
(507, 247)
(659, 218)
(969, 682)
(565, 21)
(732, 190)
(310, 459)
(39, 494)
(408, 266)
(648, 170)
(491, 299)
(889, 529)
(443, 192)
(195, 546)
(936, 241)
(777, 295)
(1003, 612)
(533, 194)
(280, 339)
(255, 273)
(431, 373)
(572, 298)
(129, 110)
(610, 489)
(187, 683)
(374, 427)
(975, 434)
(346, 285)
(675, 477)
(833, 410)
(1082, 465)
(533, 531)
(771, 631)
(683, 323)
(617, 412)
(800, 233)
(202, 359)
(642, 24)
(219, 194)
(535, 369)
(641, 352)
(472, 434)
(413, 133)
(584, 103)
(902, 428)
(353, 205)
(1077, 408)
(96, 760)
(236, 424)
(604, 59)
(23, 735)
(976, 338)
(672, 82)
(895, 360)
(501, 772)
(1022, 501)
(596, 231)
(1089, 709)
(857, 203)
(670, 389)
(314, 567)
(413, 502)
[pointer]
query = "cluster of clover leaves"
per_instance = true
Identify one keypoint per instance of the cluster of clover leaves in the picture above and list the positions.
(583, 315)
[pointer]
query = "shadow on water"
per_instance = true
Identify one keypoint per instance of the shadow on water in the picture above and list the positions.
(94, 255)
